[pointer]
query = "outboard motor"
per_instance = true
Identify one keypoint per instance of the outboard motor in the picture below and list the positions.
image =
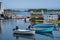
(16, 27)
(2, 15)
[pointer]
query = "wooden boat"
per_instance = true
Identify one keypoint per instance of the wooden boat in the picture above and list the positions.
(43, 27)
(24, 31)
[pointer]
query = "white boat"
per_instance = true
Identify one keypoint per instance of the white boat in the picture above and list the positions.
(24, 31)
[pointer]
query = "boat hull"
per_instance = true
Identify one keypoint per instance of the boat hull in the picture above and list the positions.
(45, 30)
(25, 32)
(44, 27)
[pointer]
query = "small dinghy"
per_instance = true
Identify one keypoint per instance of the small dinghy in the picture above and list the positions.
(24, 31)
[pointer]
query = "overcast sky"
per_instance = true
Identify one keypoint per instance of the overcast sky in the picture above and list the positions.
(31, 4)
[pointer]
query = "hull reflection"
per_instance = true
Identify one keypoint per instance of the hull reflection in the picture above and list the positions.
(0, 26)
(47, 34)
(24, 36)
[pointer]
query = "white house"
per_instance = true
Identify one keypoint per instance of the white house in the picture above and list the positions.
(50, 17)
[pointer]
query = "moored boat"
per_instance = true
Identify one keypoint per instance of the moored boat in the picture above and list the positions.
(43, 27)
(24, 31)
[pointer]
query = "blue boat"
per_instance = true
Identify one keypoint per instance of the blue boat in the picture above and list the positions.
(43, 27)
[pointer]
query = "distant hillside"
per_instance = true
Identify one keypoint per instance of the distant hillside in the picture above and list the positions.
(10, 10)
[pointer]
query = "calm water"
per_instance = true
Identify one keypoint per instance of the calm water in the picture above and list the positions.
(6, 31)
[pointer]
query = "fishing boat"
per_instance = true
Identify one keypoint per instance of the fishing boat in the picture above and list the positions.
(24, 31)
(43, 27)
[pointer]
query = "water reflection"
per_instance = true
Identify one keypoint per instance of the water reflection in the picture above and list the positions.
(0, 26)
(31, 37)
(47, 34)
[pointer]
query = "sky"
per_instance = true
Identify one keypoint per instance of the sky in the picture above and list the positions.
(17, 4)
